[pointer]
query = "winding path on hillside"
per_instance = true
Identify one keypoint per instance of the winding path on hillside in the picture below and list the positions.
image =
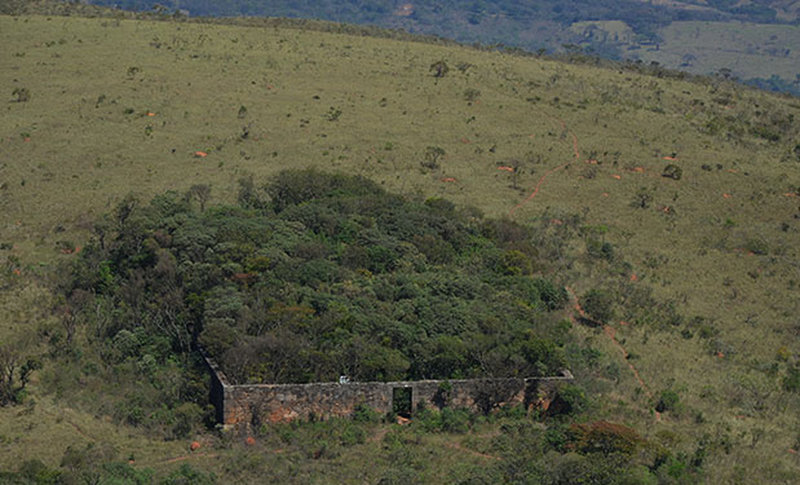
(575, 151)
(607, 328)
(611, 332)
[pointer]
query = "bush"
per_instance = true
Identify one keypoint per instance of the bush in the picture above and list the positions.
(569, 400)
(672, 171)
(22, 94)
(668, 401)
(604, 437)
(34, 471)
(600, 250)
(186, 475)
(598, 304)
(791, 382)
(365, 414)
(455, 420)
(642, 199)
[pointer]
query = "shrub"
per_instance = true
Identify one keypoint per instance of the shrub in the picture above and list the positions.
(439, 69)
(514, 263)
(598, 304)
(668, 401)
(429, 420)
(600, 250)
(365, 414)
(34, 471)
(432, 156)
(757, 245)
(186, 475)
(642, 199)
(672, 171)
(471, 94)
(217, 337)
(455, 420)
(569, 400)
(22, 94)
(604, 437)
(791, 382)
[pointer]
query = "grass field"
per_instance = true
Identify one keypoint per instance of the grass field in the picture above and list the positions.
(749, 50)
(122, 106)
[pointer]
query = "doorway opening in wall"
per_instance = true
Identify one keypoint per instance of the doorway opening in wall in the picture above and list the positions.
(401, 401)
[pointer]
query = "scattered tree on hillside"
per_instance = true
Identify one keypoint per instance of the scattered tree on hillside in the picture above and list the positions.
(201, 193)
(672, 171)
(439, 69)
(15, 372)
(22, 94)
(432, 156)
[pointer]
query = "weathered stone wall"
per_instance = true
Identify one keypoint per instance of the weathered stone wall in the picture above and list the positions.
(216, 391)
(251, 405)
(255, 404)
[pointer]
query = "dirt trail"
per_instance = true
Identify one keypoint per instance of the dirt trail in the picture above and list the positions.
(77, 428)
(608, 329)
(575, 151)
(611, 333)
(536, 189)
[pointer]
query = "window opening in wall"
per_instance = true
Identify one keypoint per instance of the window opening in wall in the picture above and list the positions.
(401, 401)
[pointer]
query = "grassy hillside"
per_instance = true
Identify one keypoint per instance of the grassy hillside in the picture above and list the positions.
(99, 108)
(748, 50)
(754, 40)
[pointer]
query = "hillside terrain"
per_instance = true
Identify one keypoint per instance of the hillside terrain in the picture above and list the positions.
(756, 41)
(654, 192)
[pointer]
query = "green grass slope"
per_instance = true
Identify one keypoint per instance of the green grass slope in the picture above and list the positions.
(95, 109)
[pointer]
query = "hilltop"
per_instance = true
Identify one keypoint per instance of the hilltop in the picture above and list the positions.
(97, 108)
(754, 41)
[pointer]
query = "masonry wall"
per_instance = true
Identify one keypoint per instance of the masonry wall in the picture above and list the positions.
(256, 404)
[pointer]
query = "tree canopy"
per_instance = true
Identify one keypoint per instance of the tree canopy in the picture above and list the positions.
(315, 275)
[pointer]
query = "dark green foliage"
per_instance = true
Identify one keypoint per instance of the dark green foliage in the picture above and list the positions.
(672, 171)
(446, 420)
(600, 249)
(293, 187)
(766, 132)
(597, 452)
(186, 475)
(757, 245)
(599, 304)
(365, 414)
(791, 382)
(333, 276)
(439, 69)
(33, 471)
(15, 372)
(432, 156)
(569, 400)
(86, 465)
(668, 401)
(642, 199)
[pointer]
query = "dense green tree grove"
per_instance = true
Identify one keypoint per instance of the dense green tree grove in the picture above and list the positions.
(315, 275)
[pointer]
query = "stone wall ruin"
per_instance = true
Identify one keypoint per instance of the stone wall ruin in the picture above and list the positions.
(254, 404)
